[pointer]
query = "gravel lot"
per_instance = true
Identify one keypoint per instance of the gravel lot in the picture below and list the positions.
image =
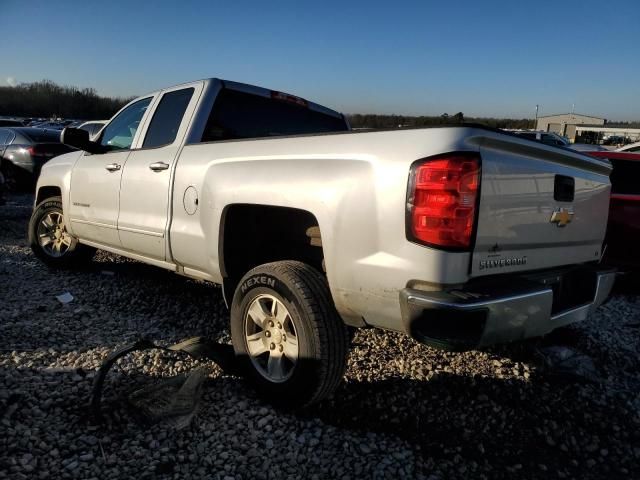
(405, 410)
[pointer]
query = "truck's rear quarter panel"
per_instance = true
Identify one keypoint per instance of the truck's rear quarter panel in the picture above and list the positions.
(355, 185)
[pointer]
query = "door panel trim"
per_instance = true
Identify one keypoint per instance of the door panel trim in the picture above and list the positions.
(143, 232)
(97, 224)
(126, 253)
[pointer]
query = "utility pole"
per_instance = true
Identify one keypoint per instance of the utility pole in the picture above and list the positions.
(535, 126)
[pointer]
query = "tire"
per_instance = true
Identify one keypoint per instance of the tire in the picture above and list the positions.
(3, 188)
(10, 184)
(61, 249)
(305, 322)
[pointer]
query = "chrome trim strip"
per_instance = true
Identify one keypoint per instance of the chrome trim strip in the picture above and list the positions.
(424, 301)
(603, 288)
(573, 314)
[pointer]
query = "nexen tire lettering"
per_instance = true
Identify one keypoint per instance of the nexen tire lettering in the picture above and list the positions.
(503, 262)
(262, 280)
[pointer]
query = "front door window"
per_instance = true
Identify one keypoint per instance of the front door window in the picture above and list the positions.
(119, 133)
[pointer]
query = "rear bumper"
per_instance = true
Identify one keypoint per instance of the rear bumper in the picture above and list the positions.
(506, 310)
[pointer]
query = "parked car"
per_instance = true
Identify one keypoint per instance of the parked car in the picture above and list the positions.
(459, 236)
(623, 229)
(548, 138)
(615, 140)
(35, 121)
(3, 186)
(10, 123)
(24, 150)
(55, 125)
(93, 126)
(587, 147)
(631, 148)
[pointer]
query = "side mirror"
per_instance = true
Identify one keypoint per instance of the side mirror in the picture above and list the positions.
(78, 138)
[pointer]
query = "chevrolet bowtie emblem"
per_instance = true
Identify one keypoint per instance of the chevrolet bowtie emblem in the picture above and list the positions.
(562, 216)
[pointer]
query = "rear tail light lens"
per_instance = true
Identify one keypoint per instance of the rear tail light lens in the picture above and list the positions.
(442, 200)
(40, 151)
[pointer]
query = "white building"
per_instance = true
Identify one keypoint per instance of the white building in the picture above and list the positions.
(565, 124)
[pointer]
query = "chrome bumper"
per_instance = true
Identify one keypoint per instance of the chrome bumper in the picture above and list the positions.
(470, 318)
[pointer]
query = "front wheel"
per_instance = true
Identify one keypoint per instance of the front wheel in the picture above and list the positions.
(49, 239)
(291, 342)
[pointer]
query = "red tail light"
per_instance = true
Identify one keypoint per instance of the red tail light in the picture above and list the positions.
(40, 151)
(442, 200)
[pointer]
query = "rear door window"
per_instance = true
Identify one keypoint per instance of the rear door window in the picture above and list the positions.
(237, 115)
(42, 136)
(4, 136)
(167, 118)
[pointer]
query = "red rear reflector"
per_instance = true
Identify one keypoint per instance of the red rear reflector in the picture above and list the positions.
(442, 200)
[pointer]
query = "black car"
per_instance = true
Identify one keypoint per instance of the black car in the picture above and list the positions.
(10, 123)
(24, 150)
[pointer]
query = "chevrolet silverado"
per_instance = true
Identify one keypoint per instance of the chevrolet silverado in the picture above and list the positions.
(459, 236)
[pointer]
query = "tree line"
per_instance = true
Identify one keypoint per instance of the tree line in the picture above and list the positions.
(632, 124)
(358, 120)
(47, 99)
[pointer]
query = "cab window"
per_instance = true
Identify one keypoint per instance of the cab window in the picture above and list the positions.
(167, 118)
(119, 134)
(238, 115)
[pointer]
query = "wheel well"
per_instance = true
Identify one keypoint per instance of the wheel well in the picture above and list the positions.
(255, 234)
(46, 192)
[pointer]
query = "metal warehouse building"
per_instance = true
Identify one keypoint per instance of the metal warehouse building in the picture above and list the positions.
(565, 123)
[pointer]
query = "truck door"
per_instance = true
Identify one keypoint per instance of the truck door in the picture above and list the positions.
(95, 179)
(146, 179)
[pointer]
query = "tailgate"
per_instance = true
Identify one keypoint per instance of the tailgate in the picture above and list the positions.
(540, 206)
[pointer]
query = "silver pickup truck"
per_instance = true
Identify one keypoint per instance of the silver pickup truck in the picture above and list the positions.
(459, 236)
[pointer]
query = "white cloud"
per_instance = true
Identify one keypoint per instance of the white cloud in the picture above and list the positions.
(11, 81)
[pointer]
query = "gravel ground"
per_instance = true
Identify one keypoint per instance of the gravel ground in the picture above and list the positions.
(405, 410)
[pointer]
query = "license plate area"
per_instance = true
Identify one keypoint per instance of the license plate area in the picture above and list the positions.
(570, 288)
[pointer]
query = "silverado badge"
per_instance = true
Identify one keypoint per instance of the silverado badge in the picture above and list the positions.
(562, 216)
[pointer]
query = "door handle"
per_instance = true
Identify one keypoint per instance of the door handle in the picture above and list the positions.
(158, 166)
(113, 167)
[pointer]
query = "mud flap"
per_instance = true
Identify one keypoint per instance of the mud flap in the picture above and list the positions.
(186, 388)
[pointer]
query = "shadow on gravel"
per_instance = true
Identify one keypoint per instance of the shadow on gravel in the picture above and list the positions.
(508, 427)
(505, 426)
(627, 283)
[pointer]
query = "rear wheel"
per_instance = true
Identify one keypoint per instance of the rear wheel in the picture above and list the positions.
(291, 342)
(49, 239)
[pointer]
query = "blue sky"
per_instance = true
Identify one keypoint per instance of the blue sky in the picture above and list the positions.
(481, 57)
